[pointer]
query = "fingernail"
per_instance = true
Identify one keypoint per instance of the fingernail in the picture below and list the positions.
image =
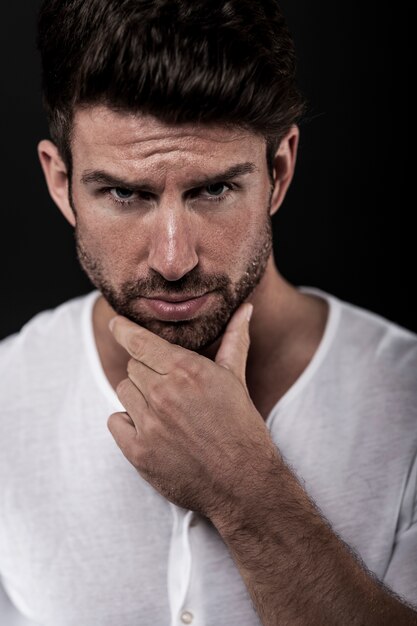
(111, 323)
(249, 312)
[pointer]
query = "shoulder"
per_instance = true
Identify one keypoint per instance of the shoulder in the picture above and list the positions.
(380, 342)
(39, 345)
(354, 332)
(365, 390)
(369, 362)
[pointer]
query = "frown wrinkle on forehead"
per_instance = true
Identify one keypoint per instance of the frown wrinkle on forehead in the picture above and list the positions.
(146, 135)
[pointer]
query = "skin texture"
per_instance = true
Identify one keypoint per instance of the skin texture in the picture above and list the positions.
(178, 240)
(170, 406)
(225, 465)
(182, 259)
(200, 332)
(179, 249)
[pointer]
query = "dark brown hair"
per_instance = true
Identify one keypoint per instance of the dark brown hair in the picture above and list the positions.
(200, 61)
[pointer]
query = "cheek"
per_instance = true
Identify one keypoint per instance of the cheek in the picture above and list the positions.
(103, 228)
(232, 241)
(115, 247)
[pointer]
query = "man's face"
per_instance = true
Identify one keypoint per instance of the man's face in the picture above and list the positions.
(155, 215)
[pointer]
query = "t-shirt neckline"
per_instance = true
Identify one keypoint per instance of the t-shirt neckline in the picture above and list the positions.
(93, 354)
(295, 389)
(332, 322)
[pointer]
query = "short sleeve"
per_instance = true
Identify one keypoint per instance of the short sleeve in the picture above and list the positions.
(401, 573)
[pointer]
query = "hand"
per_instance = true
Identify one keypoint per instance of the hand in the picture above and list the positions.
(190, 428)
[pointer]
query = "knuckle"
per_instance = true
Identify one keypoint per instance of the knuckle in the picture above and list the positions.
(134, 345)
(157, 396)
(151, 435)
(187, 370)
(131, 366)
(163, 396)
(111, 420)
(137, 457)
(123, 386)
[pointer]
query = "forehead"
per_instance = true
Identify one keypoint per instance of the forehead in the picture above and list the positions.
(101, 133)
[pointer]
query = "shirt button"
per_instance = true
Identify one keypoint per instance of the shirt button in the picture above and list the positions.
(187, 617)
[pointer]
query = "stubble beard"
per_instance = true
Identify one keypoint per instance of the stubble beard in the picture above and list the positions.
(195, 334)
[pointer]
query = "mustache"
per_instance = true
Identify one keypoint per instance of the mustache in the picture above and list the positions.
(189, 285)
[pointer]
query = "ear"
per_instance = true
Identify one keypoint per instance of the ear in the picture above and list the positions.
(284, 166)
(56, 177)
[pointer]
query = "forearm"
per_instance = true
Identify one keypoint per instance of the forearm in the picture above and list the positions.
(297, 570)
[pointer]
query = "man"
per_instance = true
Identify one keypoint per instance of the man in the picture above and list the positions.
(164, 460)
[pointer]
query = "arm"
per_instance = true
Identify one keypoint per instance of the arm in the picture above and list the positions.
(297, 570)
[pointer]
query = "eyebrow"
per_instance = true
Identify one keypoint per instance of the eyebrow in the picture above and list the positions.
(105, 178)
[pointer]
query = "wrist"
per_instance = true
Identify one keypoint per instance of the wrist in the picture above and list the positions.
(256, 486)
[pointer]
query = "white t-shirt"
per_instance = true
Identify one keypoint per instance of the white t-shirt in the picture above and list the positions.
(86, 541)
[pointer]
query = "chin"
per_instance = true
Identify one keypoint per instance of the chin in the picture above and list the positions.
(196, 335)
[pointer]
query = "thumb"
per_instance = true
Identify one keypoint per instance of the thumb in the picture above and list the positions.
(233, 351)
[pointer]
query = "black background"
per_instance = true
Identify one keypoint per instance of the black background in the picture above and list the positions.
(345, 225)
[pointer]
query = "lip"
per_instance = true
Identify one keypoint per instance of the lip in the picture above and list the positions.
(171, 311)
(176, 298)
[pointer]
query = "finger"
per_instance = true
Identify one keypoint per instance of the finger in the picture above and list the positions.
(144, 378)
(234, 348)
(133, 401)
(145, 346)
(124, 434)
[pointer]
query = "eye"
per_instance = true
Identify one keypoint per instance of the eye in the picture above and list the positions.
(217, 189)
(120, 194)
(216, 192)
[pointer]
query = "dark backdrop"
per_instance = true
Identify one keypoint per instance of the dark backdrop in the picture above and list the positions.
(345, 225)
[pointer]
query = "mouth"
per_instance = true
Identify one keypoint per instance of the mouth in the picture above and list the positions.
(176, 298)
(173, 309)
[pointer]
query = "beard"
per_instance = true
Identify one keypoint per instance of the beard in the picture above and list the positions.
(196, 334)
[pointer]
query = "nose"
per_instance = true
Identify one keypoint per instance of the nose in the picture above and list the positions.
(173, 243)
